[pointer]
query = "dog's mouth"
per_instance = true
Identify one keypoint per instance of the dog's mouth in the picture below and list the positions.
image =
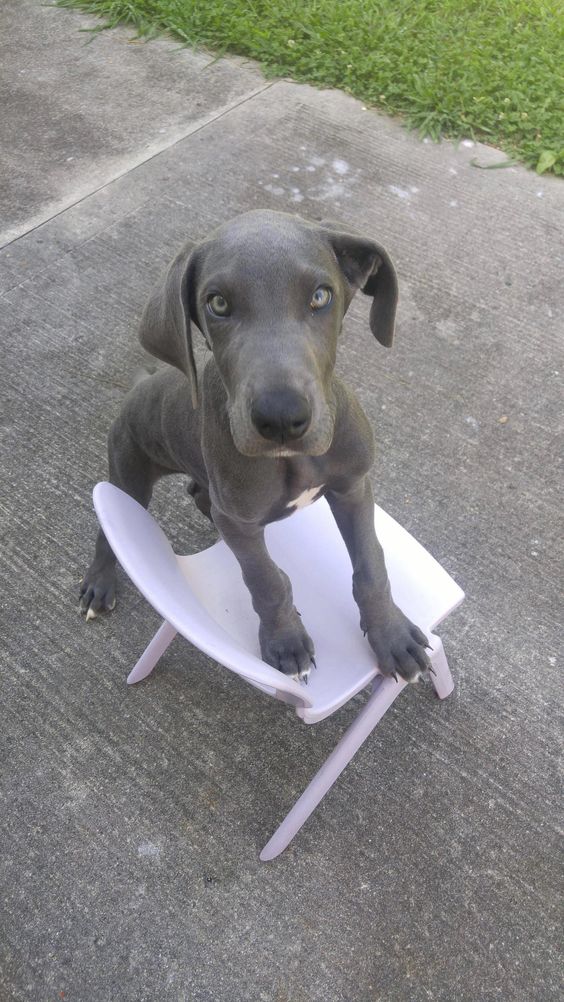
(282, 452)
(267, 451)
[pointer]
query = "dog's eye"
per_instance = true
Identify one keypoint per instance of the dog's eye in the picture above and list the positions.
(218, 305)
(321, 297)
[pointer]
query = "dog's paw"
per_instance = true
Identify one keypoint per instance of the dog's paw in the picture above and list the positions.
(289, 648)
(399, 647)
(97, 591)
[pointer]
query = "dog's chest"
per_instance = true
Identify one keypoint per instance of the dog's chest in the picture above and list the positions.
(307, 496)
(304, 483)
(298, 483)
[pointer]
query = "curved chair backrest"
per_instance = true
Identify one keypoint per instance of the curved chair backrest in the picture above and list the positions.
(146, 555)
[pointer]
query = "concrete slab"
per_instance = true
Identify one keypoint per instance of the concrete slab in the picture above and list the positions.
(76, 115)
(132, 819)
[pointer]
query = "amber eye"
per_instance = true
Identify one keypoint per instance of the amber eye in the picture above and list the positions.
(218, 305)
(321, 297)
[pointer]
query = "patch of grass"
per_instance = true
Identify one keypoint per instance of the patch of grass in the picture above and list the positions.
(455, 68)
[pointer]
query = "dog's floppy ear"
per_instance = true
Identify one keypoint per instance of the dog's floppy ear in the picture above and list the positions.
(165, 329)
(367, 266)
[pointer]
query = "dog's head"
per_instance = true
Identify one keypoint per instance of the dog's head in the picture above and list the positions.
(269, 292)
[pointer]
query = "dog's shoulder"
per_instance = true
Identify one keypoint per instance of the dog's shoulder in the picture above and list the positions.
(353, 439)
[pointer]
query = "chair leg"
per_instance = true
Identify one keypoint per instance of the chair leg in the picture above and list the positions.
(385, 691)
(442, 679)
(158, 645)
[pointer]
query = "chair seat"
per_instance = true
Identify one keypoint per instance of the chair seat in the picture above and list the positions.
(203, 595)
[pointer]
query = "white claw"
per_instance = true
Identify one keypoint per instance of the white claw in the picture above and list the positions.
(91, 614)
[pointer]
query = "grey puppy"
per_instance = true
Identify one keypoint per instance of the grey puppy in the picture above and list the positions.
(271, 427)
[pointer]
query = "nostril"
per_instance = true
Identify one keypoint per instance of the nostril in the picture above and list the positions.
(298, 427)
(266, 428)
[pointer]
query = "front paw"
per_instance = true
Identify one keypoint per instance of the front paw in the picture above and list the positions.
(288, 647)
(399, 647)
(97, 590)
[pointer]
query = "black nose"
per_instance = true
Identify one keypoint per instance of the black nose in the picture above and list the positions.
(281, 415)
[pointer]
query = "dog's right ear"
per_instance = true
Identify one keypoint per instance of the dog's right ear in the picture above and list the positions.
(165, 329)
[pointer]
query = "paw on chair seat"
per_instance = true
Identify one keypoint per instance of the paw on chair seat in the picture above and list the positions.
(203, 598)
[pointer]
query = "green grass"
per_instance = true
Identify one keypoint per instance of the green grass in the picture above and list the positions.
(455, 68)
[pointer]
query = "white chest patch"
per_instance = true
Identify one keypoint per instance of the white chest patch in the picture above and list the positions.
(306, 497)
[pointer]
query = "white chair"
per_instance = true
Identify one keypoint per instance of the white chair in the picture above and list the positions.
(203, 598)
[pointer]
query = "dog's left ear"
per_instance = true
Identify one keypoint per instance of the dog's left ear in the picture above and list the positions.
(367, 266)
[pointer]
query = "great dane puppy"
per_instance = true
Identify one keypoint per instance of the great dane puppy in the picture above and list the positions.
(271, 427)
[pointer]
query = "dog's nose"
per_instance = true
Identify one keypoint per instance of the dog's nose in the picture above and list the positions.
(281, 415)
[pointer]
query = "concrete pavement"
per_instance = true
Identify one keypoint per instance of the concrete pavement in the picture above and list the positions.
(132, 819)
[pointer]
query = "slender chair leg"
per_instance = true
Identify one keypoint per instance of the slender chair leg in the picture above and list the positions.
(442, 679)
(158, 645)
(385, 691)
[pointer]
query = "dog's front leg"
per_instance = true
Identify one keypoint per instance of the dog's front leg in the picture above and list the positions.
(399, 645)
(284, 642)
